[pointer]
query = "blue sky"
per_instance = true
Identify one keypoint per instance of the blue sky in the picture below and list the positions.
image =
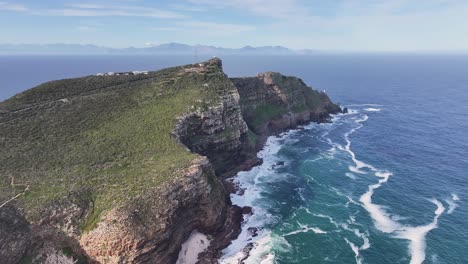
(342, 25)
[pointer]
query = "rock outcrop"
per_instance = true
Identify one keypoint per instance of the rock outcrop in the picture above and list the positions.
(136, 163)
(15, 235)
(152, 229)
(219, 132)
(272, 103)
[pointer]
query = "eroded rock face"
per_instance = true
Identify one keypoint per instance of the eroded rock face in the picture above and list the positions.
(220, 132)
(15, 235)
(152, 229)
(272, 103)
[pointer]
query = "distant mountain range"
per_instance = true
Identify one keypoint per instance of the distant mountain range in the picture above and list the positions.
(163, 49)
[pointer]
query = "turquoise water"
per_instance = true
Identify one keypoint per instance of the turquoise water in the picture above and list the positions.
(386, 183)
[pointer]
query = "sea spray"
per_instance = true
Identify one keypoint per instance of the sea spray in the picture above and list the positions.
(250, 182)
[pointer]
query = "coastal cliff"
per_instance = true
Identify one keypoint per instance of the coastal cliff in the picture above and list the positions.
(122, 169)
(272, 103)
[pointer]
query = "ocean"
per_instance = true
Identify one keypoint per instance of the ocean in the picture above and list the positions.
(385, 183)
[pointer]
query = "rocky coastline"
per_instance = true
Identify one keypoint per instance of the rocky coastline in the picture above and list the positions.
(265, 89)
(225, 133)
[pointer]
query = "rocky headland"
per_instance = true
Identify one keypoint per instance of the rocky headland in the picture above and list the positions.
(122, 169)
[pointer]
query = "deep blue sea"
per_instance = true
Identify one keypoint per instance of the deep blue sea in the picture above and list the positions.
(385, 183)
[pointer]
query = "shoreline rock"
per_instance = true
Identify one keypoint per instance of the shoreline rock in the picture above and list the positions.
(267, 88)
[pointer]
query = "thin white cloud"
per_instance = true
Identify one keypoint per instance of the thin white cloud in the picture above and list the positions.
(89, 26)
(203, 28)
(12, 7)
(165, 28)
(438, 25)
(107, 11)
(187, 8)
(86, 28)
(365, 25)
(87, 6)
(268, 8)
(216, 27)
(95, 10)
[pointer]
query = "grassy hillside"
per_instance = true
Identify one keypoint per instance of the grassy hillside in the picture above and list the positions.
(105, 137)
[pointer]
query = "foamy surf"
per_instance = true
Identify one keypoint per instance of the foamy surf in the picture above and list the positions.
(372, 109)
(356, 250)
(306, 229)
(417, 235)
(452, 203)
(263, 247)
(350, 175)
(251, 181)
(384, 221)
(387, 224)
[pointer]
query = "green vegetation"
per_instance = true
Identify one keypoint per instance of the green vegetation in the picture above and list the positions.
(110, 135)
(79, 259)
(260, 114)
(26, 259)
(292, 96)
(252, 138)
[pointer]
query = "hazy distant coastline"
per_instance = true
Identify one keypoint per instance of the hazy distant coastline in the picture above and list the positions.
(162, 49)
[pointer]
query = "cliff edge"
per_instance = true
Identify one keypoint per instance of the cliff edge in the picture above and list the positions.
(121, 169)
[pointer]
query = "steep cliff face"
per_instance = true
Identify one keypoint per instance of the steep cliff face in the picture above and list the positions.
(272, 103)
(218, 131)
(121, 169)
(153, 227)
(15, 235)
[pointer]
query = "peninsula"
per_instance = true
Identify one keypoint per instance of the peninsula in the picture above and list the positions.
(123, 168)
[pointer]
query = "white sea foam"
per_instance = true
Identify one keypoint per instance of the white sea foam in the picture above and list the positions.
(262, 252)
(313, 160)
(350, 112)
(452, 206)
(452, 203)
(388, 224)
(384, 221)
(355, 249)
(365, 239)
(417, 235)
(356, 169)
(350, 199)
(359, 165)
(332, 221)
(364, 105)
(269, 259)
(305, 229)
(251, 181)
(350, 175)
(371, 109)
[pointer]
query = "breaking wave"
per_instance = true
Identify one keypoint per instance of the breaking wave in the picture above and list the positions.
(261, 247)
